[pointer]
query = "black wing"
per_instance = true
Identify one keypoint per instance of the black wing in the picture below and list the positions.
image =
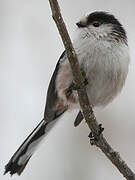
(50, 112)
(28, 147)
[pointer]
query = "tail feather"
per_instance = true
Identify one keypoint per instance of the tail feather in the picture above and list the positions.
(15, 168)
(21, 157)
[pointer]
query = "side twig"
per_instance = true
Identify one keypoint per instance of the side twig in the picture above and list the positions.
(83, 98)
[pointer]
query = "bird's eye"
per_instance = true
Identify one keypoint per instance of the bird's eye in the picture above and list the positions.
(95, 23)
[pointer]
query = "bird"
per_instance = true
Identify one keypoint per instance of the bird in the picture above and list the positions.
(101, 45)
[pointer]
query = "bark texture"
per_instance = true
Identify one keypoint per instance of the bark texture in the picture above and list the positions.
(83, 98)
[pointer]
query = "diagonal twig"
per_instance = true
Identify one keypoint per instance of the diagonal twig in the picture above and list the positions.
(83, 98)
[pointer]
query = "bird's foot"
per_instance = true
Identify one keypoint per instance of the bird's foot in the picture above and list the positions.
(94, 137)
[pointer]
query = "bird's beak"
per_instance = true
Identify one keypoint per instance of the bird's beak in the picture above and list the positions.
(82, 23)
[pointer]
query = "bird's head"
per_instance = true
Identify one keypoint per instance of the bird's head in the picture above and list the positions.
(102, 25)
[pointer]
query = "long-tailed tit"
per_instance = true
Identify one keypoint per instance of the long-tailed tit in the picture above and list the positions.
(102, 49)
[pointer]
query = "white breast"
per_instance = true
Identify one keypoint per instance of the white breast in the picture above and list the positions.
(106, 67)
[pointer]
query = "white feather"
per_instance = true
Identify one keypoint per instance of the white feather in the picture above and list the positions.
(104, 60)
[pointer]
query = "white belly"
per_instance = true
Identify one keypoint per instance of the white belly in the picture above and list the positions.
(106, 68)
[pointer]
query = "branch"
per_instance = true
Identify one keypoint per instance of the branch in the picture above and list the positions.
(83, 97)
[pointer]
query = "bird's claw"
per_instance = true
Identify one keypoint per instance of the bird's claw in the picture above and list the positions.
(95, 136)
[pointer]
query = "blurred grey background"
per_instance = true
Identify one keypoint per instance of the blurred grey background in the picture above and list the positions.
(29, 49)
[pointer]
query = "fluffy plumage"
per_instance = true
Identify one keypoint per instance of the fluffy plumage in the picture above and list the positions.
(101, 45)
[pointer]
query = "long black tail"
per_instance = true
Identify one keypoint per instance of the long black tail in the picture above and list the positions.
(21, 157)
